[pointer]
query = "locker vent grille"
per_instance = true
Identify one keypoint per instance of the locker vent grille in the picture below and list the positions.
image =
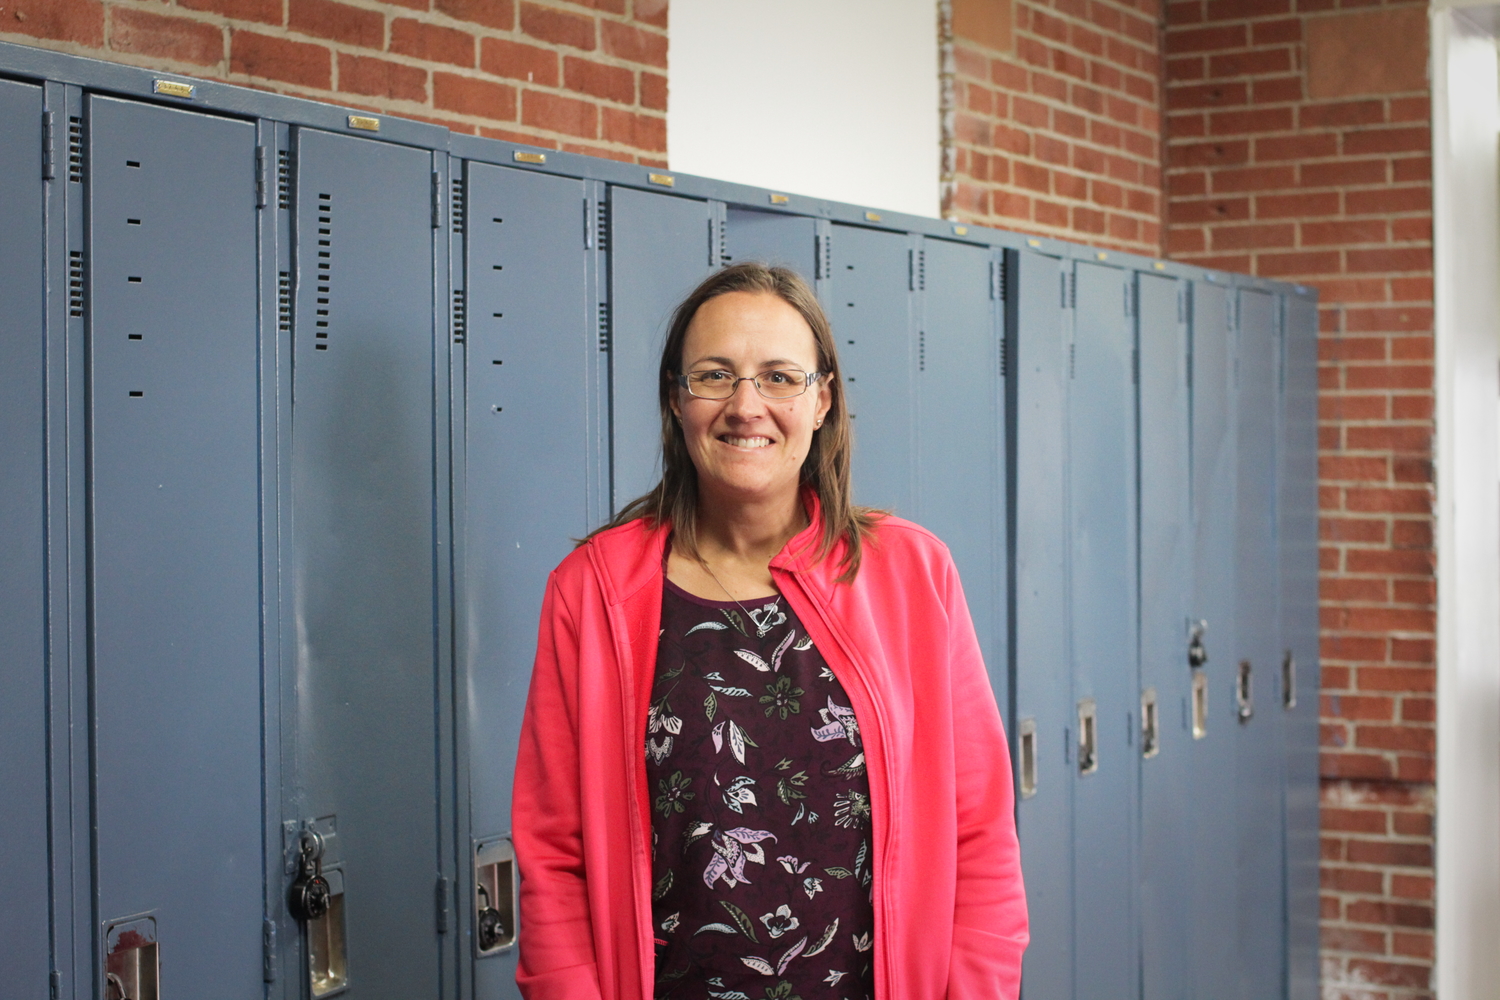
(823, 249)
(460, 312)
(457, 205)
(325, 270)
(284, 301)
(601, 229)
(1004, 356)
(921, 350)
(604, 327)
(284, 178)
(75, 283)
(75, 149)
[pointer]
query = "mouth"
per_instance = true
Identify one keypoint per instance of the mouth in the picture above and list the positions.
(745, 442)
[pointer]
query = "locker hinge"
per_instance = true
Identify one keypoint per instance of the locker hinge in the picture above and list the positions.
(75, 149)
(262, 177)
(604, 327)
(49, 168)
(823, 254)
(437, 201)
(268, 951)
(916, 270)
(997, 280)
(77, 272)
(460, 316)
(284, 178)
(444, 902)
(54, 984)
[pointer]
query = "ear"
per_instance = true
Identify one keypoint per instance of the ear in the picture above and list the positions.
(825, 402)
(674, 403)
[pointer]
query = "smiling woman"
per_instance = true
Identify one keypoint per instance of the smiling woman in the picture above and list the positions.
(743, 665)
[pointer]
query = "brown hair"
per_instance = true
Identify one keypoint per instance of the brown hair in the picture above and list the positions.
(826, 470)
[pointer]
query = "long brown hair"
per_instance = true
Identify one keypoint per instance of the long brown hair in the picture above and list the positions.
(826, 470)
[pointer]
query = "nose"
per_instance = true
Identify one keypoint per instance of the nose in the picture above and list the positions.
(744, 397)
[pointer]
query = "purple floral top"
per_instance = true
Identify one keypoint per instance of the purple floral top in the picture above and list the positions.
(760, 825)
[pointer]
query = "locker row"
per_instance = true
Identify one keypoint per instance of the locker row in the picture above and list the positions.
(300, 407)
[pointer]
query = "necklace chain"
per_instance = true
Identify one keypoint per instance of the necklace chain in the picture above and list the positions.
(749, 618)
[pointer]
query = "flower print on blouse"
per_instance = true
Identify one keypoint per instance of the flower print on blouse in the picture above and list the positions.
(760, 821)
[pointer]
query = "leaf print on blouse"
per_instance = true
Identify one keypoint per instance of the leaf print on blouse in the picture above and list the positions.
(659, 716)
(753, 658)
(803, 644)
(839, 723)
(764, 967)
(851, 809)
(674, 791)
(851, 768)
(824, 941)
(739, 794)
(781, 991)
(716, 626)
(781, 922)
(732, 848)
(788, 789)
(862, 941)
(782, 696)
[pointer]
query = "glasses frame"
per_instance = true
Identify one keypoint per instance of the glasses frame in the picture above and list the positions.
(813, 378)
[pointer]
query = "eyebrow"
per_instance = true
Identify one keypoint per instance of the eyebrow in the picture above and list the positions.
(773, 363)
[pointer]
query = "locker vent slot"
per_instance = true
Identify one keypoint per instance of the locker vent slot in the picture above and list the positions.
(284, 178)
(460, 315)
(325, 271)
(997, 280)
(823, 254)
(916, 269)
(601, 227)
(1004, 356)
(604, 328)
(921, 350)
(456, 205)
(75, 149)
(75, 283)
(284, 301)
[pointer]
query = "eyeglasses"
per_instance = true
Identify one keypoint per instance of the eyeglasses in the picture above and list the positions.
(784, 383)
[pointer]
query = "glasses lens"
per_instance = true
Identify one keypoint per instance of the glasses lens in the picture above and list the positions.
(782, 384)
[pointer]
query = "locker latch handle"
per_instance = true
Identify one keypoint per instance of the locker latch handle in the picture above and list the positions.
(1088, 737)
(1197, 653)
(1150, 724)
(1244, 701)
(1028, 758)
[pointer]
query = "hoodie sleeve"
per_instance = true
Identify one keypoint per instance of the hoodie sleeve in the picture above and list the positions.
(989, 913)
(557, 959)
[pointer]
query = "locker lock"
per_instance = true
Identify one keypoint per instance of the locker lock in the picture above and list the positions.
(1197, 652)
(491, 926)
(309, 895)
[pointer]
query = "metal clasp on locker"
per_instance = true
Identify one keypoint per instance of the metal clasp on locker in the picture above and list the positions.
(1244, 700)
(1197, 653)
(494, 897)
(1088, 737)
(1288, 680)
(132, 964)
(1150, 724)
(1027, 755)
(316, 899)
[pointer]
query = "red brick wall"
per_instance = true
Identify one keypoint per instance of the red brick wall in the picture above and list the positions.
(1299, 148)
(1057, 120)
(587, 76)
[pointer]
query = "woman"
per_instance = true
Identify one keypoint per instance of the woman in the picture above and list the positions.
(761, 756)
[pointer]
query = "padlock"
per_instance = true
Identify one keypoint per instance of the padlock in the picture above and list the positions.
(491, 928)
(114, 989)
(310, 893)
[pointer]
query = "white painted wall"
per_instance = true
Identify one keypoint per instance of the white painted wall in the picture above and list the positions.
(1466, 193)
(830, 98)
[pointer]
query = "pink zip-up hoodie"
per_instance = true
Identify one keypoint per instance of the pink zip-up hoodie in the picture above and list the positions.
(950, 909)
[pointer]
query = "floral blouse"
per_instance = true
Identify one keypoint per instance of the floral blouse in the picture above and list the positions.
(760, 825)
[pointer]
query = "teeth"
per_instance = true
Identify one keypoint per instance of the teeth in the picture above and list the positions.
(752, 442)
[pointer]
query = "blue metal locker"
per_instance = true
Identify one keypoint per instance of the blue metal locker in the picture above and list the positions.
(1212, 715)
(1166, 573)
(1043, 738)
(373, 767)
(660, 248)
(1102, 592)
(534, 453)
(873, 276)
(1298, 527)
(26, 666)
(1259, 760)
(171, 276)
(961, 435)
(773, 237)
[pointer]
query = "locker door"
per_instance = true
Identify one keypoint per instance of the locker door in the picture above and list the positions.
(873, 277)
(1102, 533)
(1166, 592)
(1043, 690)
(372, 717)
(23, 567)
(961, 443)
(1298, 509)
(174, 466)
(788, 240)
(660, 249)
(1212, 877)
(534, 452)
(1259, 760)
